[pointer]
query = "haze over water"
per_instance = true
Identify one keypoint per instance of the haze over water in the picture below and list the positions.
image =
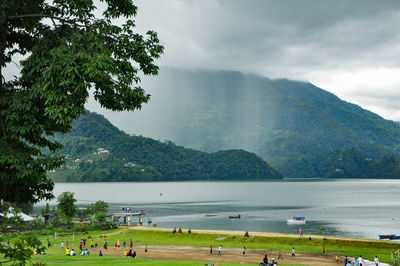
(356, 208)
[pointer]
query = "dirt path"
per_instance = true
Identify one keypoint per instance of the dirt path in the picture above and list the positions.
(232, 255)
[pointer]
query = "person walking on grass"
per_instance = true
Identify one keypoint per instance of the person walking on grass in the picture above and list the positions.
(92, 244)
(145, 249)
(211, 250)
(244, 251)
(62, 244)
(219, 250)
(280, 255)
(131, 243)
(293, 255)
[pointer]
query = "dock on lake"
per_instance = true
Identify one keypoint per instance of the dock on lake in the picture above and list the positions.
(123, 217)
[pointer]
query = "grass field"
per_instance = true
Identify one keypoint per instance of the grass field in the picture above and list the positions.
(342, 247)
(55, 259)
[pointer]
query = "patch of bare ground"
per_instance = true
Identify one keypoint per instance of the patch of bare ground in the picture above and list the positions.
(231, 255)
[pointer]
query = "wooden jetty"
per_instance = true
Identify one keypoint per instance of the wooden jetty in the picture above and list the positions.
(123, 217)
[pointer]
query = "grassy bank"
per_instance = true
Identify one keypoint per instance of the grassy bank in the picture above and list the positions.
(343, 247)
(313, 245)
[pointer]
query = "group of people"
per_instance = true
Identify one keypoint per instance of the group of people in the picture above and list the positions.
(71, 252)
(272, 263)
(357, 261)
(130, 254)
(118, 244)
(174, 231)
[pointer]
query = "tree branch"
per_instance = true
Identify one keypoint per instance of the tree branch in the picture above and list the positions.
(70, 21)
(36, 16)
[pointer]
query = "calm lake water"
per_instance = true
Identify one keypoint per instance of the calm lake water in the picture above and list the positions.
(356, 208)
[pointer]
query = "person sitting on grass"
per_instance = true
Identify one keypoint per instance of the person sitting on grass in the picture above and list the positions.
(100, 253)
(134, 254)
(87, 252)
(125, 253)
(81, 253)
(67, 251)
(72, 253)
(180, 230)
(174, 230)
(129, 253)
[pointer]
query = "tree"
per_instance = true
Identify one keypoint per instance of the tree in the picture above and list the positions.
(15, 247)
(101, 217)
(98, 206)
(46, 213)
(66, 206)
(66, 51)
(94, 209)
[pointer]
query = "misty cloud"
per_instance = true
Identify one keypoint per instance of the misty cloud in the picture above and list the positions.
(306, 40)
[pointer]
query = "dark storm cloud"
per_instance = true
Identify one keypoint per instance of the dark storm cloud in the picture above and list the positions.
(313, 40)
(276, 38)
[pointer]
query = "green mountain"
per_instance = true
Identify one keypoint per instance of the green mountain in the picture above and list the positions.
(293, 125)
(98, 151)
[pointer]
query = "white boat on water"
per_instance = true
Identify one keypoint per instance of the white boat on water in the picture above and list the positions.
(297, 220)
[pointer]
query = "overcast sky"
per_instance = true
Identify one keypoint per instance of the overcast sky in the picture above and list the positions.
(351, 48)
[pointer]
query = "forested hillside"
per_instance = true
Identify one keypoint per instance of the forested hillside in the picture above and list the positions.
(293, 125)
(98, 151)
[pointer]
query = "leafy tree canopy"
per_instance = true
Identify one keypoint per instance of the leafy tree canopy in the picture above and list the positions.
(66, 205)
(66, 51)
(98, 206)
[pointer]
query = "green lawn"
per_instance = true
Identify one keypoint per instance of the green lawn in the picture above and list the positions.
(55, 255)
(53, 259)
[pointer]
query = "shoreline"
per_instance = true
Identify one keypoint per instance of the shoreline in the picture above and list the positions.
(253, 233)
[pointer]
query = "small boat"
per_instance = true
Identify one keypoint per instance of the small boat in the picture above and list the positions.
(233, 216)
(386, 236)
(297, 220)
(395, 237)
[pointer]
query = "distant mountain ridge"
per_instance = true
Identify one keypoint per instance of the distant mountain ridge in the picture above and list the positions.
(135, 158)
(292, 125)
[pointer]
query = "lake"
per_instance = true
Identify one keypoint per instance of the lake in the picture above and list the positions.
(356, 208)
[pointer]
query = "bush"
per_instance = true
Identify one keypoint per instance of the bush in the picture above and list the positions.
(37, 224)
